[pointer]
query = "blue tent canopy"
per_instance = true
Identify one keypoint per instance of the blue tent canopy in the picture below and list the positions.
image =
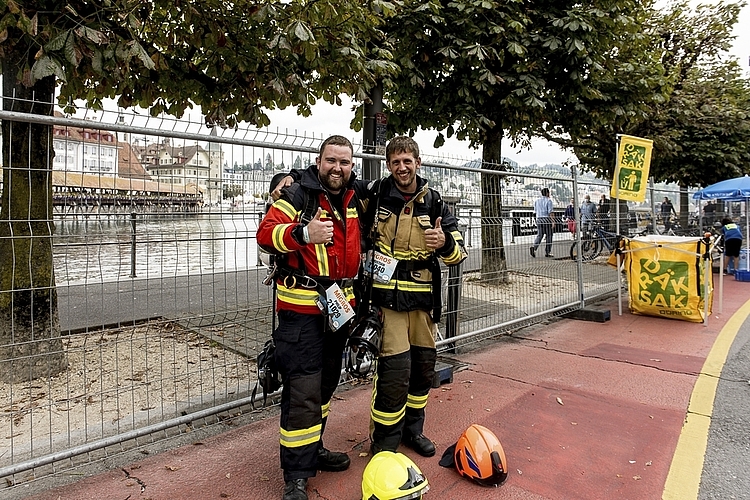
(737, 189)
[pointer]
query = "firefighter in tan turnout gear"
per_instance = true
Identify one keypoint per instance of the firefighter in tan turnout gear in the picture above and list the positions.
(413, 228)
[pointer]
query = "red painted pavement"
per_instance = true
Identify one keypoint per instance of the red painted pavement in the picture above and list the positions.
(584, 411)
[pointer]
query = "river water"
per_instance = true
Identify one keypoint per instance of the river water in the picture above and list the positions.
(100, 249)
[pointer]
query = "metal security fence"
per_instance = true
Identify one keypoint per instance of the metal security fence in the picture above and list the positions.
(159, 304)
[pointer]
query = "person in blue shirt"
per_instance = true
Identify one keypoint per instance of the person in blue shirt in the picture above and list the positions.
(588, 213)
(543, 210)
(732, 243)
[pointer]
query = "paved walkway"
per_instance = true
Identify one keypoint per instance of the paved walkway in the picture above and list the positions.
(635, 408)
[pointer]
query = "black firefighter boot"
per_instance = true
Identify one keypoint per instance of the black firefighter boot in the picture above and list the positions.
(295, 489)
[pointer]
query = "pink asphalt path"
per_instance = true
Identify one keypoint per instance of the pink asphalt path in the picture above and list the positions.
(583, 410)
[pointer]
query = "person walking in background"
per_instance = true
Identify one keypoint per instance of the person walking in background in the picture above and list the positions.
(709, 214)
(624, 219)
(570, 217)
(667, 209)
(602, 212)
(543, 210)
(412, 228)
(588, 213)
(732, 244)
(319, 257)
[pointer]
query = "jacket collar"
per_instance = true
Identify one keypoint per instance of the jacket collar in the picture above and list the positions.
(393, 191)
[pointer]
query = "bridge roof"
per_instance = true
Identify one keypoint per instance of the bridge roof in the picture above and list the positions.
(90, 181)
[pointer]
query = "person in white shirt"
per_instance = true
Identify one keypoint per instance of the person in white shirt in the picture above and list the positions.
(543, 210)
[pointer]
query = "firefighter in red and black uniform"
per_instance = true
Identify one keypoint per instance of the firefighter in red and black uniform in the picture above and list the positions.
(409, 237)
(316, 256)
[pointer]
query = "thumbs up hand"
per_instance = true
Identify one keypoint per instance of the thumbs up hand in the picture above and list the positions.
(435, 237)
(320, 231)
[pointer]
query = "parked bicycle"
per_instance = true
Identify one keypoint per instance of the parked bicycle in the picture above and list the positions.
(594, 240)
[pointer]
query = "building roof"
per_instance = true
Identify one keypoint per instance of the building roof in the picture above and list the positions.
(129, 165)
(79, 180)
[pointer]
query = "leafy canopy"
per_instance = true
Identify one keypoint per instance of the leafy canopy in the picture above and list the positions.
(477, 66)
(674, 84)
(233, 59)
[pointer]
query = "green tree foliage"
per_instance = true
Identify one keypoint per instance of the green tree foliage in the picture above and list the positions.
(484, 70)
(679, 88)
(231, 191)
(233, 59)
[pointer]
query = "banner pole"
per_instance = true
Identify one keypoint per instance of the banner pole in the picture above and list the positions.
(616, 182)
(707, 273)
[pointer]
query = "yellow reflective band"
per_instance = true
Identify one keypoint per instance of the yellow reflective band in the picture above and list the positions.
(277, 235)
(298, 296)
(348, 292)
(381, 417)
(417, 402)
(325, 409)
(387, 418)
(384, 249)
(454, 257)
(410, 286)
(322, 255)
(285, 207)
(352, 213)
(413, 255)
(301, 437)
(385, 286)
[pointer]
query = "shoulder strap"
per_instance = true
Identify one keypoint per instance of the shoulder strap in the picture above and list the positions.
(368, 220)
(436, 204)
(309, 207)
(309, 203)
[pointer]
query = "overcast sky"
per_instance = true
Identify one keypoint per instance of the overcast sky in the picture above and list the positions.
(328, 120)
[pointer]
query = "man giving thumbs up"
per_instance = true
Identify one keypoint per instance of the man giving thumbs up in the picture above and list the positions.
(414, 228)
(319, 258)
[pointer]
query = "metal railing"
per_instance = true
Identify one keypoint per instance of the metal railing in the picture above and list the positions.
(162, 310)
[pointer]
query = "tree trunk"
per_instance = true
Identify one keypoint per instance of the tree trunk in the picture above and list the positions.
(30, 343)
(684, 207)
(494, 265)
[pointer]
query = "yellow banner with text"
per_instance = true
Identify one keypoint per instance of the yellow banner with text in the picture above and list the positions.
(631, 173)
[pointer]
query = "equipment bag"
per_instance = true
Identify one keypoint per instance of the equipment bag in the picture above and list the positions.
(269, 377)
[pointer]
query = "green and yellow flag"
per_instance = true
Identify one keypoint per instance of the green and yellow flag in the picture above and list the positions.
(631, 173)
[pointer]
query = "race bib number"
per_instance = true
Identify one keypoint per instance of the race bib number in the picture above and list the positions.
(381, 267)
(339, 309)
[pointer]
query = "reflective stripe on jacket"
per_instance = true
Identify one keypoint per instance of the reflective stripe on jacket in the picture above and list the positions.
(337, 261)
(401, 226)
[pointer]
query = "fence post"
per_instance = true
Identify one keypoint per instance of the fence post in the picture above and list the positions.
(468, 230)
(454, 287)
(132, 244)
(579, 231)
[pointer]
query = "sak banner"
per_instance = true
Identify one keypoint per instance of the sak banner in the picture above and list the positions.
(631, 173)
(665, 277)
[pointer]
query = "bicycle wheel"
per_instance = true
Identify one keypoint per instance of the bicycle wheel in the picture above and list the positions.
(590, 248)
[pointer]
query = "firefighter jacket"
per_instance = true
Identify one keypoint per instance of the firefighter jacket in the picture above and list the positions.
(401, 225)
(280, 232)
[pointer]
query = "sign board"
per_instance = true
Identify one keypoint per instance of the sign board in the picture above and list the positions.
(381, 124)
(524, 222)
(631, 172)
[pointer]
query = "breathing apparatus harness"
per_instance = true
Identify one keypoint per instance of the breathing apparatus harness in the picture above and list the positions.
(366, 335)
